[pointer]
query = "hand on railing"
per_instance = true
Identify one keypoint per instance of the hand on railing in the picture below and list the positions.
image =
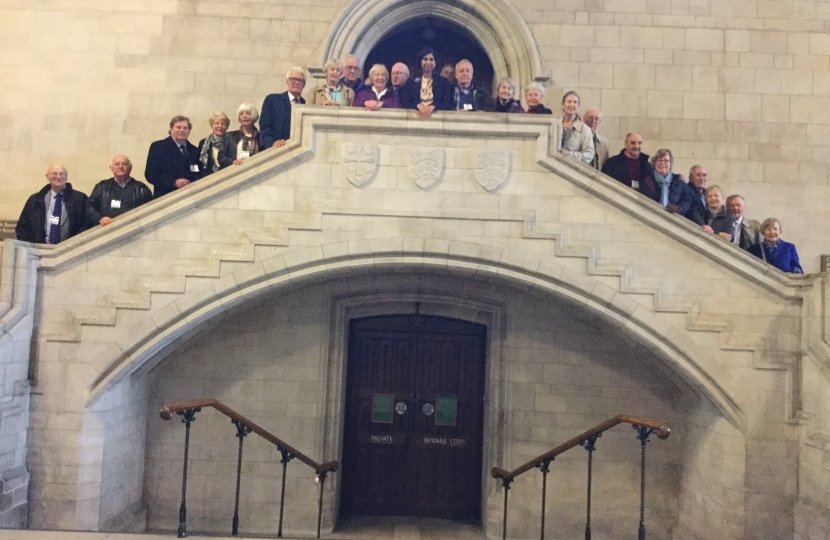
(188, 409)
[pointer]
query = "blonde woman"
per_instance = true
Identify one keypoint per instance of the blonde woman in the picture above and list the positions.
(209, 146)
(332, 93)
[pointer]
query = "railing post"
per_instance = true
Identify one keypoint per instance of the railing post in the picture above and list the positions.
(322, 477)
(545, 468)
(286, 457)
(590, 445)
(505, 482)
(241, 431)
(643, 434)
(188, 417)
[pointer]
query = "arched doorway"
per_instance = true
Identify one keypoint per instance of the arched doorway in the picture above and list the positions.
(451, 42)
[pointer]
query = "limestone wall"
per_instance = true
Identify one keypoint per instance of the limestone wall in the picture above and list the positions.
(742, 86)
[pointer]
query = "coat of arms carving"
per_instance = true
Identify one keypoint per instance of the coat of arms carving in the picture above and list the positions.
(492, 169)
(359, 161)
(426, 166)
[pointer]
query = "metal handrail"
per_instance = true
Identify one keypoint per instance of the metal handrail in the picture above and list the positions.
(660, 429)
(197, 404)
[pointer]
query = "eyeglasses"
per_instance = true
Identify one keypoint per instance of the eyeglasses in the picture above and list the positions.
(662, 160)
(296, 80)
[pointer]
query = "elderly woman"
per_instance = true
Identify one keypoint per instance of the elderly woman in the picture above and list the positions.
(430, 92)
(209, 146)
(332, 92)
(775, 251)
(663, 186)
(718, 220)
(534, 92)
(244, 142)
(573, 138)
(378, 96)
(505, 101)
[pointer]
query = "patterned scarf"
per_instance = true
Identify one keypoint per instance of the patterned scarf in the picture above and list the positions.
(250, 143)
(212, 142)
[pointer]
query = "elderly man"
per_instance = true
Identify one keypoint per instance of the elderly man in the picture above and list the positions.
(468, 97)
(400, 74)
(120, 194)
(747, 231)
(698, 211)
(275, 120)
(55, 213)
(351, 74)
(631, 164)
(593, 118)
(173, 163)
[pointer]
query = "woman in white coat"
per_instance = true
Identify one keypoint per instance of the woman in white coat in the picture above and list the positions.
(573, 137)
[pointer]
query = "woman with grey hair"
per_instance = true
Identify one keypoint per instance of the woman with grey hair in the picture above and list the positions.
(378, 95)
(662, 185)
(505, 98)
(573, 138)
(775, 251)
(332, 92)
(209, 146)
(244, 142)
(534, 92)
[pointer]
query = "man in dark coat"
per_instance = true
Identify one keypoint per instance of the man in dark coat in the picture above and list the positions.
(631, 164)
(275, 120)
(698, 211)
(173, 163)
(351, 75)
(55, 213)
(468, 97)
(120, 194)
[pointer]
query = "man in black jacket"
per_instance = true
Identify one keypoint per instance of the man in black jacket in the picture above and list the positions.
(631, 165)
(466, 96)
(120, 194)
(173, 163)
(55, 213)
(275, 118)
(698, 212)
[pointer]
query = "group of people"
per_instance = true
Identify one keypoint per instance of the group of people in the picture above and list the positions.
(58, 212)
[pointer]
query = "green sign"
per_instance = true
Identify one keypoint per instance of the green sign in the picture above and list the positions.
(446, 411)
(382, 408)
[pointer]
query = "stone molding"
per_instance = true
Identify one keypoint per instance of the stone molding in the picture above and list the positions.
(496, 24)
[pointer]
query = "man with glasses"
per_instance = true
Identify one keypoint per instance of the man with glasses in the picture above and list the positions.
(55, 213)
(631, 164)
(351, 74)
(275, 120)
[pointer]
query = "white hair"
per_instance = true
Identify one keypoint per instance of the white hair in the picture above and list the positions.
(247, 107)
(536, 86)
(295, 69)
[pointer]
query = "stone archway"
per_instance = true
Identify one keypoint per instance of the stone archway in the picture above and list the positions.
(500, 29)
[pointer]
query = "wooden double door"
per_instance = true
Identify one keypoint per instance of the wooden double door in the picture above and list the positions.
(414, 418)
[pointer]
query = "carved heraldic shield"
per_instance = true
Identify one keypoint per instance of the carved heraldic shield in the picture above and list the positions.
(492, 169)
(359, 161)
(426, 166)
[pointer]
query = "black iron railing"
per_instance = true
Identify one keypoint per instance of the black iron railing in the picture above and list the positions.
(188, 409)
(645, 429)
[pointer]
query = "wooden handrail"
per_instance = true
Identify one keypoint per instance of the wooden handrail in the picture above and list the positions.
(197, 404)
(661, 430)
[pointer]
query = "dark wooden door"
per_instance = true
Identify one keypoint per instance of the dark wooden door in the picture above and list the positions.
(414, 417)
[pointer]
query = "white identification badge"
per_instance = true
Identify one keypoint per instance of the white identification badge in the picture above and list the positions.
(115, 204)
(468, 106)
(54, 220)
(635, 184)
(194, 168)
(243, 155)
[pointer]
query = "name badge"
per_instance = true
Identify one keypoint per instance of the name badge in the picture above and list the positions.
(468, 106)
(635, 184)
(194, 168)
(243, 155)
(115, 204)
(54, 220)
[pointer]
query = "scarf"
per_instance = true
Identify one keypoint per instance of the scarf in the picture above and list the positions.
(212, 144)
(250, 144)
(663, 182)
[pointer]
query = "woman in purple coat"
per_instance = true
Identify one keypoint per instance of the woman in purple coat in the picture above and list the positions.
(505, 99)
(775, 251)
(378, 96)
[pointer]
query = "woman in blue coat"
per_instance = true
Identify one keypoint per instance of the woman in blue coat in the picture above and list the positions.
(775, 251)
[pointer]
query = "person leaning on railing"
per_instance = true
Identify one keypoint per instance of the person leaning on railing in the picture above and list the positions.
(332, 92)
(210, 145)
(775, 251)
(505, 98)
(119, 194)
(573, 137)
(718, 219)
(747, 231)
(534, 93)
(243, 142)
(430, 92)
(660, 184)
(173, 163)
(466, 95)
(378, 96)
